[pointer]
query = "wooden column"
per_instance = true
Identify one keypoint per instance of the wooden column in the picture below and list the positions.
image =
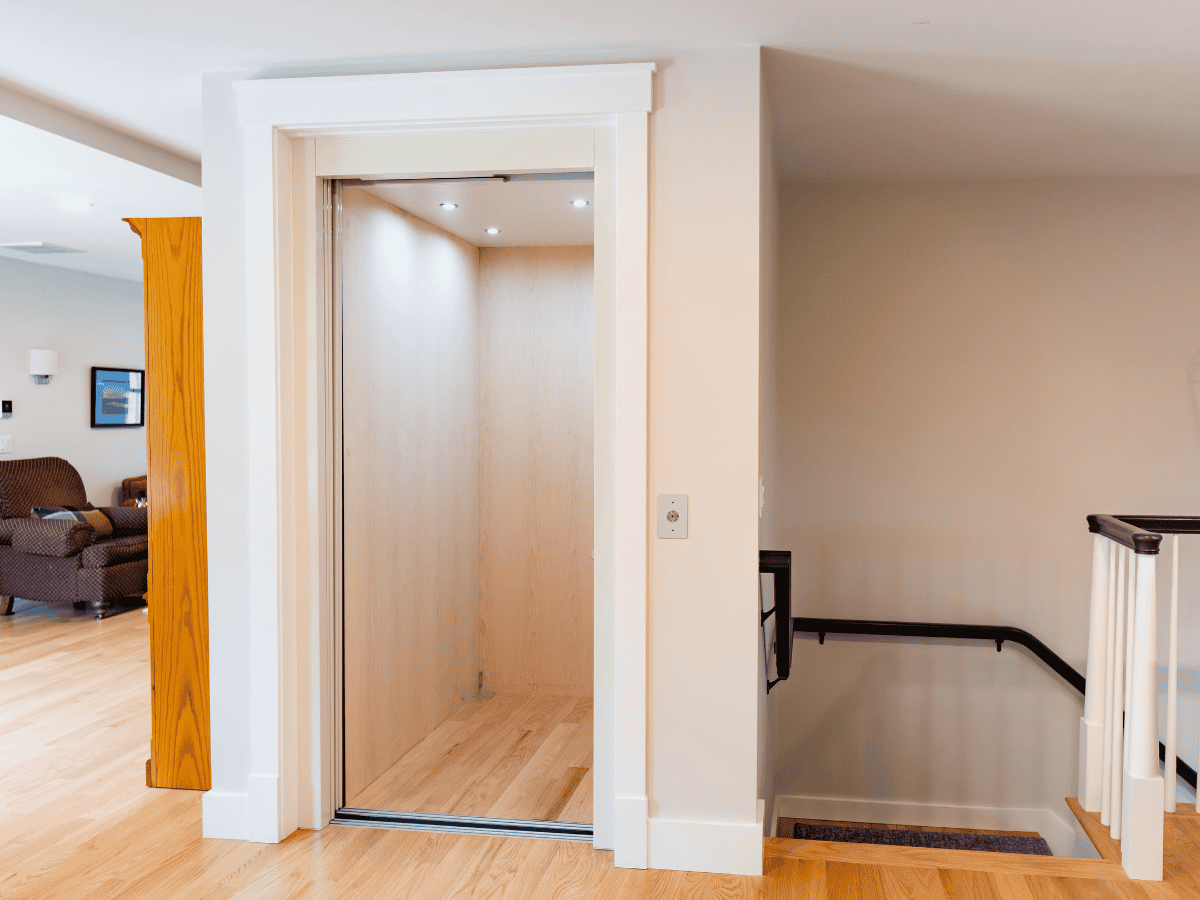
(178, 578)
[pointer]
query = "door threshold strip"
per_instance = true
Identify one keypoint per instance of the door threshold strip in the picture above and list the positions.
(375, 818)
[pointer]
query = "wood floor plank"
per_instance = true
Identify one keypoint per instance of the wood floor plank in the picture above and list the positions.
(875, 854)
(579, 807)
(970, 884)
(794, 879)
(853, 881)
(522, 756)
(907, 883)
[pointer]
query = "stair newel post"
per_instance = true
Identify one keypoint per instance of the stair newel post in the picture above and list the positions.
(1142, 816)
(1118, 699)
(1091, 725)
(1110, 667)
(1169, 787)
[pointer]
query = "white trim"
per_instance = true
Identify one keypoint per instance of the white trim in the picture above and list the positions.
(507, 95)
(94, 134)
(444, 153)
(225, 814)
(273, 269)
(734, 848)
(630, 495)
(1057, 831)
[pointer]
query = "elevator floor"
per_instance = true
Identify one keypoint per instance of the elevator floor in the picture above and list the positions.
(510, 756)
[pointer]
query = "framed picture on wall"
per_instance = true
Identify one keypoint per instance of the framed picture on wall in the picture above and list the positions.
(118, 398)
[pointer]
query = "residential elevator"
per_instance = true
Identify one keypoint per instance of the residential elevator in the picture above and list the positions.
(465, 394)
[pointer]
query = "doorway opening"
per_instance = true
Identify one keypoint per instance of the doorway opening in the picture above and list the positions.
(464, 355)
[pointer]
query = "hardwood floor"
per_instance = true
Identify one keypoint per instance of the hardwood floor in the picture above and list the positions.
(510, 756)
(78, 822)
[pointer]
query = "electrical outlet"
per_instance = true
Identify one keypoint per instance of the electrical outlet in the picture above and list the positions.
(5, 443)
(672, 515)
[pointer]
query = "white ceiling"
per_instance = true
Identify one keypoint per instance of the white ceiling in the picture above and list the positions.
(37, 169)
(859, 89)
(528, 213)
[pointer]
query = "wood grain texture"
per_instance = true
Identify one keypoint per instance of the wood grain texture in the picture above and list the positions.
(1098, 834)
(508, 756)
(177, 594)
(924, 857)
(536, 486)
(410, 396)
(77, 822)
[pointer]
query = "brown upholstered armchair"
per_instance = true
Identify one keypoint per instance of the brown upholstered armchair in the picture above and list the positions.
(133, 490)
(61, 561)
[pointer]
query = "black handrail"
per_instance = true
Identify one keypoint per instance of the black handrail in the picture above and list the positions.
(779, 564)
(992, 633)
(1142, 534)
(996, 633)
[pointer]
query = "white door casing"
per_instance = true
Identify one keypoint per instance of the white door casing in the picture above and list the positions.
(274, 748)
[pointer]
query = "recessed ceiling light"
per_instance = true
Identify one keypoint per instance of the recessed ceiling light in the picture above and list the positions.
(75, 203)
(580, 203)
(449, 206)
(492, 230)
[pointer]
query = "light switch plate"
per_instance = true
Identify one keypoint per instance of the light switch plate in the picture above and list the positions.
(672, 515)
(5, 443)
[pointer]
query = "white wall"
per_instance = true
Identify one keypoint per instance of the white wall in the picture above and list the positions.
(768, 442)
(90, 320)
(703, 436)
(226, 427)
(966, 371)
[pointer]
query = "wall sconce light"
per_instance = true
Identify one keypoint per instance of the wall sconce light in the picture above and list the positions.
(43, 364)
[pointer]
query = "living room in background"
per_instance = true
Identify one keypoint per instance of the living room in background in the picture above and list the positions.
(87, 319)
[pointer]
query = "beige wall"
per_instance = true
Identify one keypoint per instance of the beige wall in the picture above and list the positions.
(411, 475)
(703, 442)
(966, 371)
(536, 339)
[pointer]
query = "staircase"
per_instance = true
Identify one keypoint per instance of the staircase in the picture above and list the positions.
(1127, 804)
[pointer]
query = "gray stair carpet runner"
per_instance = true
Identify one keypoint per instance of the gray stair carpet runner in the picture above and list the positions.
(942, 840)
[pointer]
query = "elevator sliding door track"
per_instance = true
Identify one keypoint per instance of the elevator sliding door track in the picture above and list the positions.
(374, 818)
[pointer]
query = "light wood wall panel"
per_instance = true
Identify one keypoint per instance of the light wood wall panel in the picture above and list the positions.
(535, 414)
(178, 577)
(411, 479)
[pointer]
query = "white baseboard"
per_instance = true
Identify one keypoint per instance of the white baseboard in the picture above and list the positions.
(225, 815)
(1058, 832)
(728, 848)
(263, 796)
(629, 832)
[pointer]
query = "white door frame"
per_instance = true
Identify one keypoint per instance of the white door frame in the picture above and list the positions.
(283, 125)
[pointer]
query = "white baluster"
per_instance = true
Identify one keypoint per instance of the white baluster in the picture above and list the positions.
(1169, 775)
(1118, 707)
(1142, 789)
(1130, 605)
(1091, 725)
(1109, 673)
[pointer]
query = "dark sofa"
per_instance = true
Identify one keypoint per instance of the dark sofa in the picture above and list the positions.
(65, 561)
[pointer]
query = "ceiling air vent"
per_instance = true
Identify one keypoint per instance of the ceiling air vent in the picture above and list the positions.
(38, 247)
